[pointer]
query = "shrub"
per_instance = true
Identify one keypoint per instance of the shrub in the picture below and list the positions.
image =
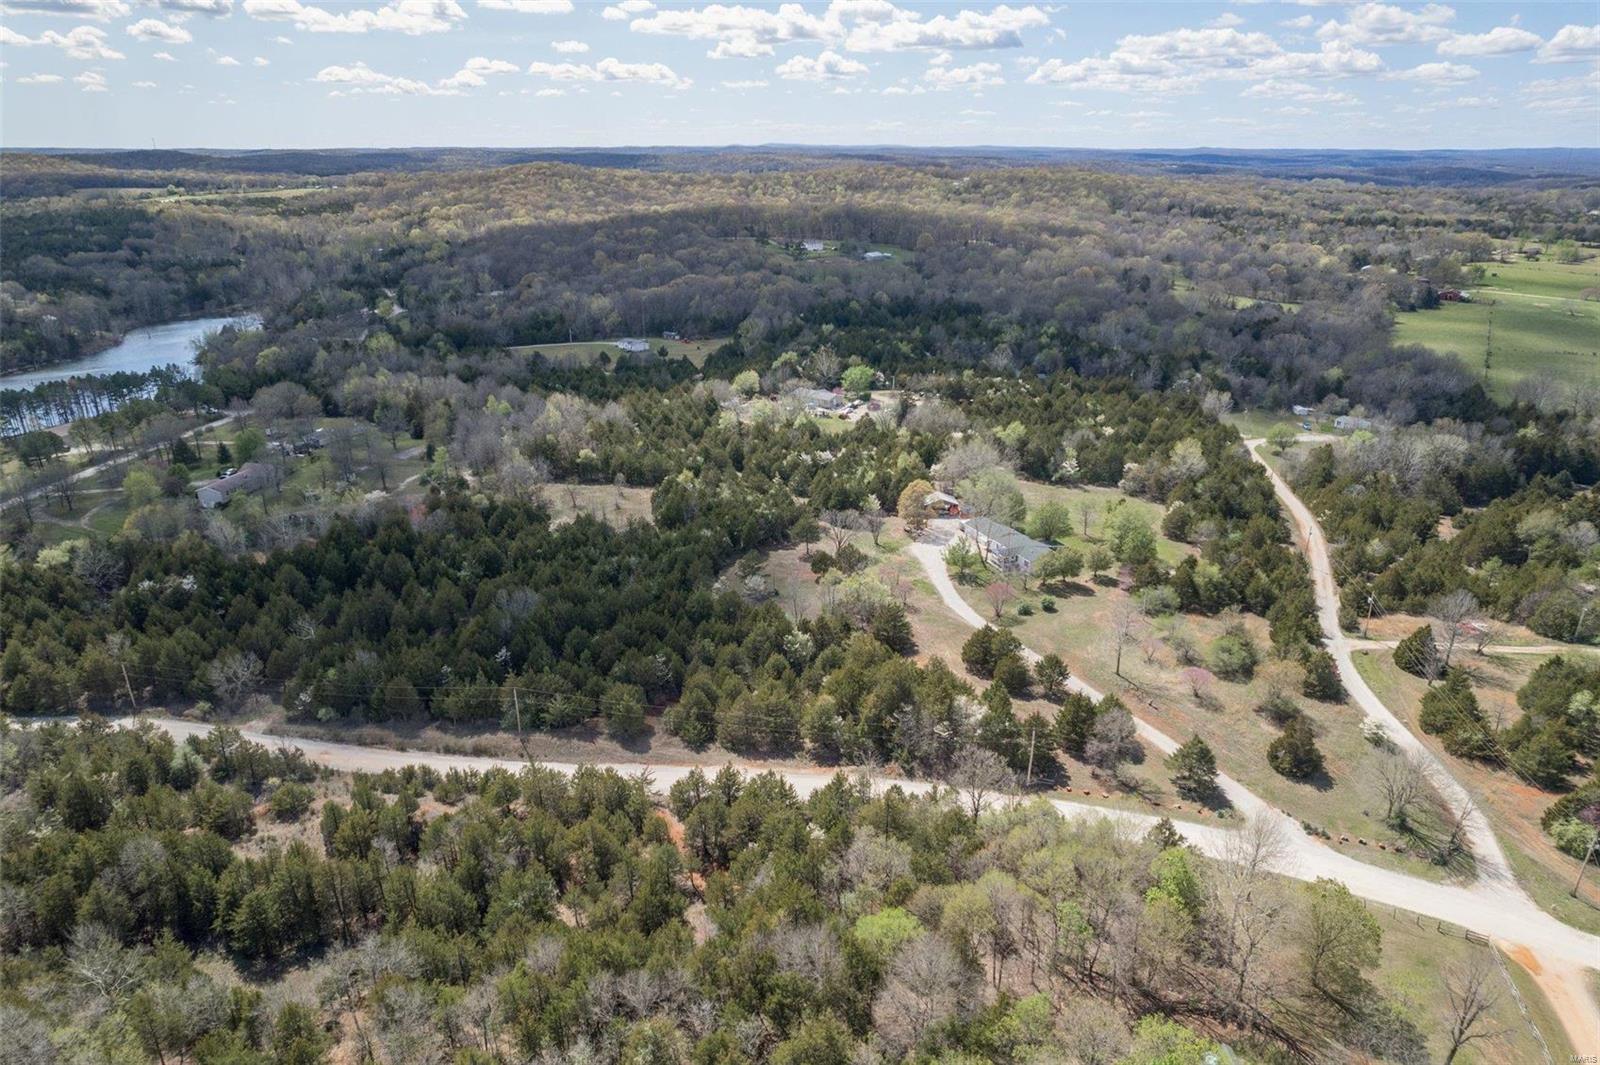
(1158, 602)
(1294, 754)
(1278, 708)
(1025, 610)
(1321, 680)
(1449, 706)
(1194, 769)
(1573, 837)
(1234, 655)
(1417, 654)
(290, 801)
(1012, 674)
(1048, 605)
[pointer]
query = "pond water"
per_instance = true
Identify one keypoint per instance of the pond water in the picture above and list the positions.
(141, 349)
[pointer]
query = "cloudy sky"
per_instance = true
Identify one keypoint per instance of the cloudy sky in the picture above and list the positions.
(299, 73)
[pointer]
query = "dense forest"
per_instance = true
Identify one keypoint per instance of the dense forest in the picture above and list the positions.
(1253, 284)
(536, 917)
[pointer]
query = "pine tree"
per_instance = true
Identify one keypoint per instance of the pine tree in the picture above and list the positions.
(1294, 753)
(1417, 654)
(1322, 677)
(1194, 769)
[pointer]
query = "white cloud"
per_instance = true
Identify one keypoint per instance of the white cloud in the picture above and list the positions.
(360, 78)
(165, 57)
(1380, 24)
(741, 31)
(1502, 40)
(214, 8)
(39, 79)
(1303, 92)
(261, 61)
(1181, 60)
(99, 10)
(748, 83)
(976, 76)
(569, 47)
(998, 28)
(827, 66)
(611, 70)
(551, 92)
(1571, 44)
(475, 71)
(81, 42)
(1437, 74)
(412, 17)
(1577, 94)
(1300, 22)
(529, 7)
(227, 61)
(1226, 20)
(91, 81)
(144, 85)
(281, 39)
(153, 29)
(626, 9)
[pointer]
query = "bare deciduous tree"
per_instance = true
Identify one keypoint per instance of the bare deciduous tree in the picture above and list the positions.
(1472, 995)
(978, 775)
(999, 593)
(233, 674)
(1401, 780)
(927, 985)
(1453, 611)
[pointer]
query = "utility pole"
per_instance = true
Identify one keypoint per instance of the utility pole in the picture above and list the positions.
(1588, 856)
(1033, 732)
(1365, 622)
(126, 684)
(516, 703)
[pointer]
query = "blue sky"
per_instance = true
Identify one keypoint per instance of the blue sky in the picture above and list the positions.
(295, 73)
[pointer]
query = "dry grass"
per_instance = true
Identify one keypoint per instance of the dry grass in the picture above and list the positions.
(1512, 806)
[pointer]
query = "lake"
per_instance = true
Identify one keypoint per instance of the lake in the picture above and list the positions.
(140, 350)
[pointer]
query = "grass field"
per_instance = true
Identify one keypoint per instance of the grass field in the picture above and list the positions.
(1527, 314)
(1100, 501)
(586, 351)
(1418, 951)
(617, 506)
(1513, 807)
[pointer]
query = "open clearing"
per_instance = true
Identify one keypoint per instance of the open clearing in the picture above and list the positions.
(1530, 315)
(586, 352)
(1512, 806)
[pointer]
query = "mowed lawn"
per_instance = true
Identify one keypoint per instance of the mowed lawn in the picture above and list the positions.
(586, 351)
(1529, 316)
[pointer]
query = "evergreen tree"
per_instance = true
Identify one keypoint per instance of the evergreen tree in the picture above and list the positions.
(1417, 654)
(1294, 752)
(1194, 769)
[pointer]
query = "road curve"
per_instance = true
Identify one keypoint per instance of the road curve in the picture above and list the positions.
(1540, 933)
(1493, 868)
(1495, 905)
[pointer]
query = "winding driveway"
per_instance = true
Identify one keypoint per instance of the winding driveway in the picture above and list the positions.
(1494, 905)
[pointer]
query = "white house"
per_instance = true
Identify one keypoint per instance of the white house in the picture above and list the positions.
(1002, 547)
(633, 344)
(1349, 422)
(1301, 411)
(251, 477)
(811, 245)
(820, 399)
(877, 256)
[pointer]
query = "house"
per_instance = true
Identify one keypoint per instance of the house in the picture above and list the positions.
(671, 334)
(811, 245)
(878, 256)
(251, 477)
(1348, 422)
(1002, 547)
(1302, 411)
(633, 344)
(1454, 295)
(819, 399)
(942, 504)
